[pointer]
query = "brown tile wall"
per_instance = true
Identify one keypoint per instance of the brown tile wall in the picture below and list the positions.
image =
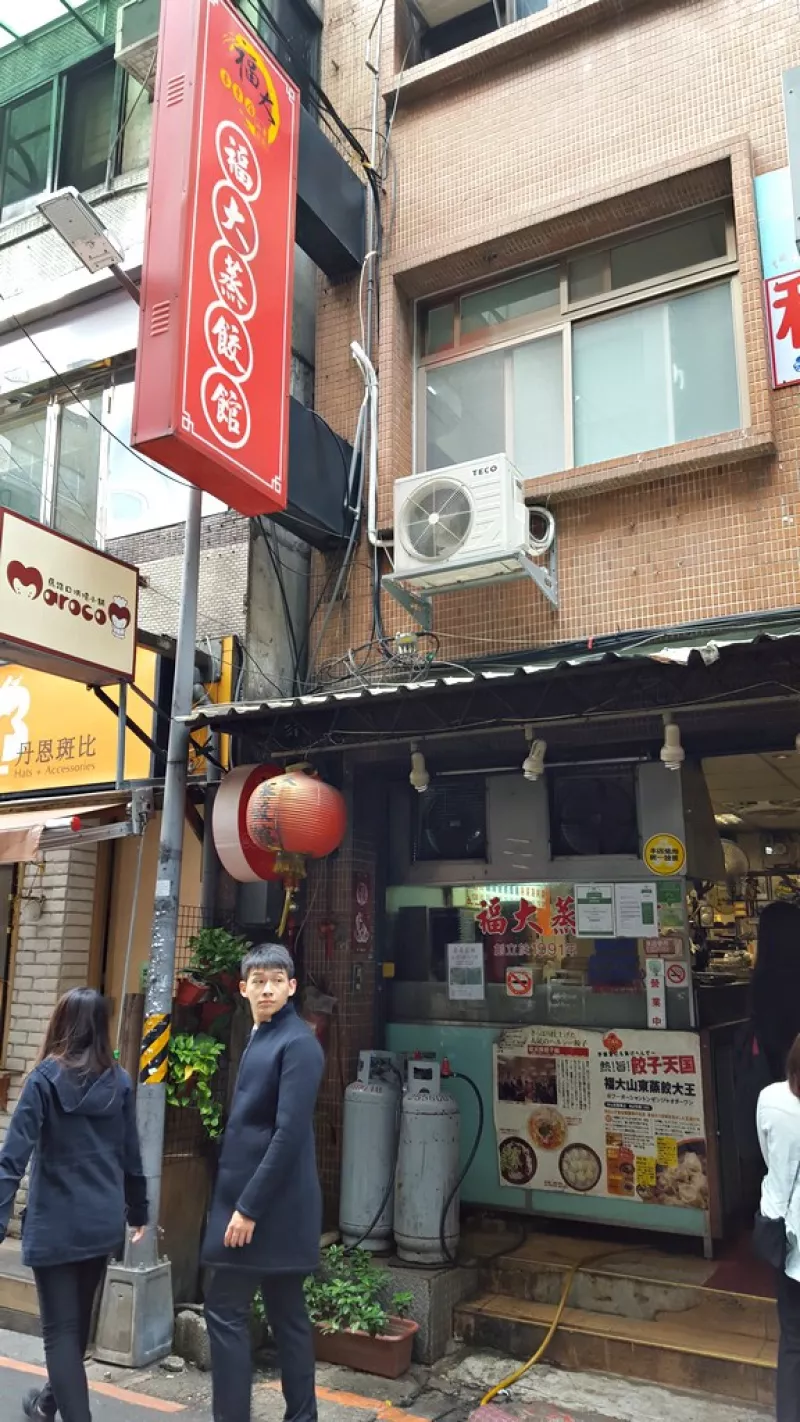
(330, 900)
(523, 144)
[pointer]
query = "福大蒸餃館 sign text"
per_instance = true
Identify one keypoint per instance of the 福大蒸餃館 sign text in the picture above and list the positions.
(213, 364)
(65, 608)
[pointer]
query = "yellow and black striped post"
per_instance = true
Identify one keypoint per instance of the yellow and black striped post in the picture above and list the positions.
(153, 1059)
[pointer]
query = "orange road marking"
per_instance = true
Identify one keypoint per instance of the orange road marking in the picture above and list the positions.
(120, 1394)
(386, 1411)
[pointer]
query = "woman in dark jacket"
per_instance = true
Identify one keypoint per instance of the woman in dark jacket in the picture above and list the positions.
(76, 1118)
(776, 987)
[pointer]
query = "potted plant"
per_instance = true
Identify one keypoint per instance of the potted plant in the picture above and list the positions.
(212, 1012)
(352, 1328)
(193, 1065)
(217, 957)
(190, 992)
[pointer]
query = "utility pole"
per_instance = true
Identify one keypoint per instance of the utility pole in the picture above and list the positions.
(135, 1326)
(151, 1096)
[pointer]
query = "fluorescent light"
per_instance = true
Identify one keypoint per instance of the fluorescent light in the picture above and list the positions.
(728, 821)
(83, 231)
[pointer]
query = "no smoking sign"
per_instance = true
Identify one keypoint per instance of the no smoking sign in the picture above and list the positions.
(676, 975)
(519, 982)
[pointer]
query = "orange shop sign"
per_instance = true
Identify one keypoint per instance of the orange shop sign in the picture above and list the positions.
(56, 735)
(64, 607)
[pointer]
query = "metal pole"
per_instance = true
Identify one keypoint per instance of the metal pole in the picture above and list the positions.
(151, 1097)
(210, 863)
(122, 726)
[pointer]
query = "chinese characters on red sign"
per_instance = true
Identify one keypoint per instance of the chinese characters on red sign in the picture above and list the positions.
(212, 383)
(494, 923)
(782, 297)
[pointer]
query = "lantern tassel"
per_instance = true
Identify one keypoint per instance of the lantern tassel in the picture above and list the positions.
(287, 904)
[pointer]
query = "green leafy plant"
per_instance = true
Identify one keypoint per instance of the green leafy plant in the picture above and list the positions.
(193, 1065)
(345, 1294)
(216, 952)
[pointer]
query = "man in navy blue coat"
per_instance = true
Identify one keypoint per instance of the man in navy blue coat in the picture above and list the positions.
(266, 1215)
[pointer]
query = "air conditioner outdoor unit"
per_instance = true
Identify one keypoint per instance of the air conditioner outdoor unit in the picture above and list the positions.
(137, 41)
(467, 523)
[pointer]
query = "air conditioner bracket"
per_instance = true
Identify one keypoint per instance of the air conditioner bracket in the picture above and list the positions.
(418, 604)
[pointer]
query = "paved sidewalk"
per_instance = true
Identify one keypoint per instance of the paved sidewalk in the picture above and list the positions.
(449, 1393)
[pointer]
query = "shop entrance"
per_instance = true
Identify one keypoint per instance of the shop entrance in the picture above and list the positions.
(603, 1003)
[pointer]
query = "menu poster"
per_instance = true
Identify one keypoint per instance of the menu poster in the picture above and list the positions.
(465, 979)
(615, 1114)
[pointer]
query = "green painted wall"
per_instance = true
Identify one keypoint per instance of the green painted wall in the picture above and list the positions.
(469, 1049)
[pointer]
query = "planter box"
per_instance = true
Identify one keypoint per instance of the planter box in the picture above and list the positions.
(388, 1355)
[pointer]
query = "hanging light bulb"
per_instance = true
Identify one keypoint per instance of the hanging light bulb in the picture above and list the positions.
(672, 753)
(420, 777)
(533, 764)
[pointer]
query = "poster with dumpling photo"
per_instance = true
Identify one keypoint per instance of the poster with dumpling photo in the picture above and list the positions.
(616, 1114)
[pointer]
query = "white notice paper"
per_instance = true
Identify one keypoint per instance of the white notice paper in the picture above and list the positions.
(594, 910)
(465, 980)
(637, 910)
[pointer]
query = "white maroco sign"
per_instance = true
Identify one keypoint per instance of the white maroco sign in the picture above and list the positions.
(64, 607)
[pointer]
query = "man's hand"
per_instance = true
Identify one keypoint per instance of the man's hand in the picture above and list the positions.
(239, 1231)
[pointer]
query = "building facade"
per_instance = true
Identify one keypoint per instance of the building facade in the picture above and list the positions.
(577, 220)
(570, 274)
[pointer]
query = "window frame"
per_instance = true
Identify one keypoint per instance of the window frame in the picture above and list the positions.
(53, 405)
(59, 86)
(568, 314)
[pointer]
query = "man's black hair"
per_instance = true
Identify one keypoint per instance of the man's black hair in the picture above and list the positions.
(266, 956)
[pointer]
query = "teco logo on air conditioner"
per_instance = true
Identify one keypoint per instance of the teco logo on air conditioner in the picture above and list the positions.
(28, 582)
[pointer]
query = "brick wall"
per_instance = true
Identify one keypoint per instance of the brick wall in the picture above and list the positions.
(224, 556)
(572, 125)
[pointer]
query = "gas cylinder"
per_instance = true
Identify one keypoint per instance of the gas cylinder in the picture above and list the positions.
(369, 1146)
(427, 1168)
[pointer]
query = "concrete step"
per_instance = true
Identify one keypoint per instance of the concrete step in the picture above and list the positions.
(632, 1284)
(683, 1350)
(19, 1305)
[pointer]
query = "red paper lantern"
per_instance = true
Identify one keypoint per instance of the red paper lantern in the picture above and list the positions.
(297, 814)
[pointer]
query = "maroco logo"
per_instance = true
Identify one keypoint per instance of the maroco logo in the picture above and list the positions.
(119, 615)
(28, 582)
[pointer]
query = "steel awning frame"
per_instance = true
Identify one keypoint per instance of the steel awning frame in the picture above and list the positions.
(26, 832)
(642, 679)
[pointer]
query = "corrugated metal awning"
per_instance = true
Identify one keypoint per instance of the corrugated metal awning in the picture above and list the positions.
(642, 647)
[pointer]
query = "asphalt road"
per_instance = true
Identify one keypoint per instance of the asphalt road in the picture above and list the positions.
(109, 1403)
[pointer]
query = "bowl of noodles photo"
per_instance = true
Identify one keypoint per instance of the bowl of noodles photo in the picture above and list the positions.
(547, 1128)
(517, 1161)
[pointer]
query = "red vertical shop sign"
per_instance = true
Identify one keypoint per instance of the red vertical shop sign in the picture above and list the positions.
(213, 365)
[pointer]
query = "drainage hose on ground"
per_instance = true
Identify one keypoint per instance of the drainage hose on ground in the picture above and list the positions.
(552, 1330)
